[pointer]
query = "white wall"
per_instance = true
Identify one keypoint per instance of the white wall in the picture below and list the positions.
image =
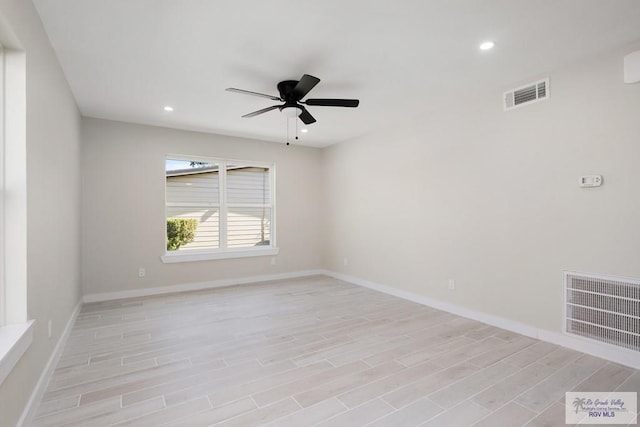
(53, 203)
(124, 206)
(491, 199)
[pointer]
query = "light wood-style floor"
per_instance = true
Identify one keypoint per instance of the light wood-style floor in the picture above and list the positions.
(310, 351)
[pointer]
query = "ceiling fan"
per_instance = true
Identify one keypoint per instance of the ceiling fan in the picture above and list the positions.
(291, 93)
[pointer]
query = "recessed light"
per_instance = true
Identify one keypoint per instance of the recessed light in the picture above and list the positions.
(304, 130)
(487, 45)
(168, 108)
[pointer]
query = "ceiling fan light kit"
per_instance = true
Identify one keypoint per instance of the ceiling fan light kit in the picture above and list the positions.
(291, 111)
(291, 94)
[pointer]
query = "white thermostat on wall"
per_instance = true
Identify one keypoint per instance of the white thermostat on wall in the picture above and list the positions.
(590, 181)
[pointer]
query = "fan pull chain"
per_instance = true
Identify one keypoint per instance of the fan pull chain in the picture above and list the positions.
(287, 130)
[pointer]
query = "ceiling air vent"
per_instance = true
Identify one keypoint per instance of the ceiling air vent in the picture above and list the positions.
(527, 94)
(603, 309)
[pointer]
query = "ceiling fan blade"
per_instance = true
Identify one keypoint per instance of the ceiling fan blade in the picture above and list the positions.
(306, 117)
(333, 102)
(264, 110)
(303, 87)
(248, 92)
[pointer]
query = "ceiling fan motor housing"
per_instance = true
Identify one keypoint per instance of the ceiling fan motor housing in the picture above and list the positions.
(286, 91)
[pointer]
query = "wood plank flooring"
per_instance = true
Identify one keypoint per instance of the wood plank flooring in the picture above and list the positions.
(310, 351)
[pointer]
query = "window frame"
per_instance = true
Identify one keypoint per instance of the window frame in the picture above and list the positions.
(16, 332)
(3, 297)
(223, 252)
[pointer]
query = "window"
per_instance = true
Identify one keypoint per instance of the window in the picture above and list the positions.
(218, 208)
(13, 187)
(2, 191)
(16, 333)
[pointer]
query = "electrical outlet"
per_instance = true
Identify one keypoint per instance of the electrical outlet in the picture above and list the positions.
(345, 261)
(142, 272)
(49, 326)
(452, 284)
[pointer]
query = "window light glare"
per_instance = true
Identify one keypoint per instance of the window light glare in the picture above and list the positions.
(168, 108)
(304, 130)
(487, 45)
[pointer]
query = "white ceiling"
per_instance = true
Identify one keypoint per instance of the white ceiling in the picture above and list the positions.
(126, 59)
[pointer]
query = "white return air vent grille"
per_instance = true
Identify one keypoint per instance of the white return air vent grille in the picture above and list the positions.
(605, 310)
(525, 95)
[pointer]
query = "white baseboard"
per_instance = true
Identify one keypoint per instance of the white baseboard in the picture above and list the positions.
(109, 296)
(41, 386)
(618, 355)
(622, 356)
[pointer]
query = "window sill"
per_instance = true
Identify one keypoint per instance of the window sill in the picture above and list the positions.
(14, 342)
(206, 256)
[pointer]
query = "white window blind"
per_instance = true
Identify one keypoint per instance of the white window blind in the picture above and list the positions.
(249, 206)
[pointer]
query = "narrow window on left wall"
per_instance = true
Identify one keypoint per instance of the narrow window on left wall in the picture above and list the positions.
(2, 193)
(16, 332)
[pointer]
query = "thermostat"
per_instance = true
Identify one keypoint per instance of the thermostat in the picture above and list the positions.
(590, 181)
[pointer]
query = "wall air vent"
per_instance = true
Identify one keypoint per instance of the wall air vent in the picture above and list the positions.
(527, 94)
(603, 309)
